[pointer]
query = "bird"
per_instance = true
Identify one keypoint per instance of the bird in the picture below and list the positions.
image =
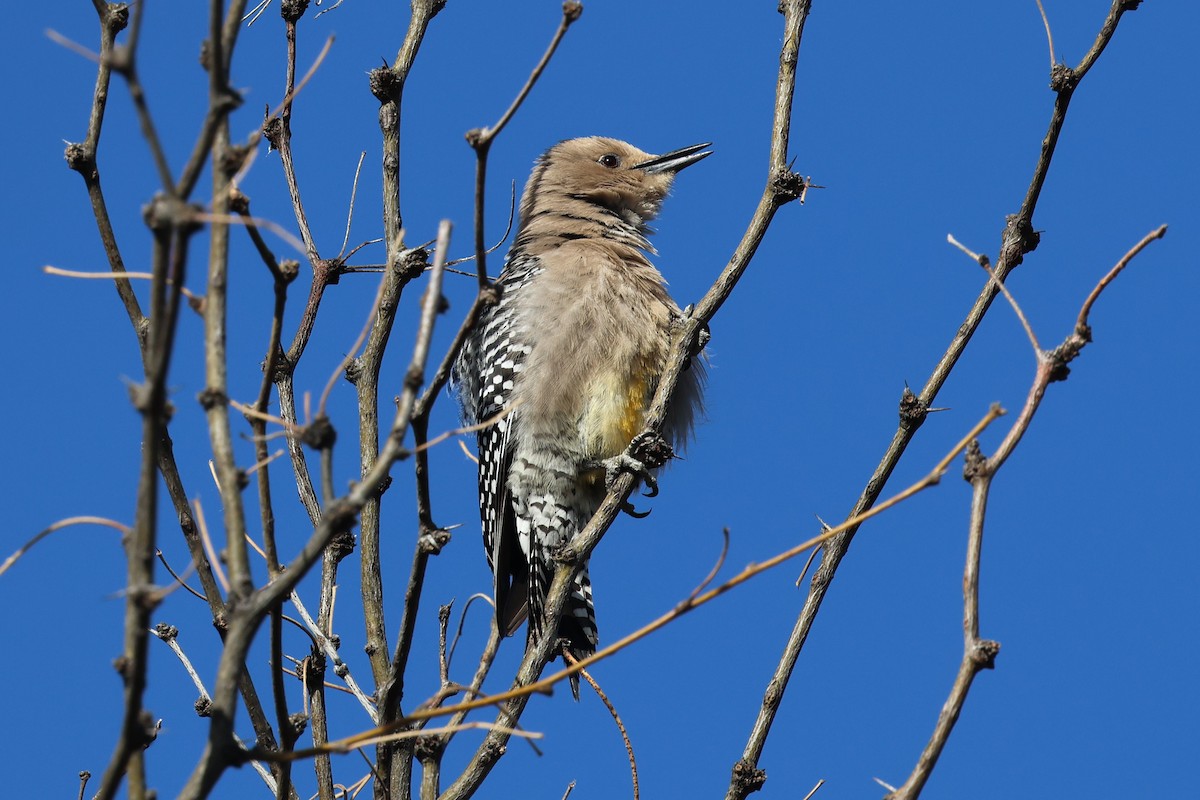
(567, 362)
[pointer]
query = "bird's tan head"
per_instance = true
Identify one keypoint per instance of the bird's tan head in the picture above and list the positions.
(610, 174)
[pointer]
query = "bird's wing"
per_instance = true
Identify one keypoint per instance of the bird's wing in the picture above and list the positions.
(508, 562)
(501, 358)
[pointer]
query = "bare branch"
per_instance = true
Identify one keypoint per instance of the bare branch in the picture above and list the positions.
(338, 516)
(1019, 238)
(978, 653)
(481, 138)
(428, 536)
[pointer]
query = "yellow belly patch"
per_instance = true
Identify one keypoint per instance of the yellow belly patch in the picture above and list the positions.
(615, 413)
(634, 415)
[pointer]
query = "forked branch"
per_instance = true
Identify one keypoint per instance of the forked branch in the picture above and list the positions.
(979, 653)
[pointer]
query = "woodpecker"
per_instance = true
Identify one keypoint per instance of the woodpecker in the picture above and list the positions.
(568, 361)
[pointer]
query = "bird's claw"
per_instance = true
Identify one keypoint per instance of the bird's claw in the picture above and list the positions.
(628, 508)
(613, 467)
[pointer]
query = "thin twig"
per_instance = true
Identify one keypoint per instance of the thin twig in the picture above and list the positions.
(280, 138)
(350, 212)
(214, 397)
(260, 222)
(327, 646)
(127, 68)
(73, 46)
(202, 526)
(313, 670)
(387, 84)
(982, 261)
(462, 619)
(1049, 35)
(290, 95)
(809, 561)
(512, 211)
(1081, 323)
(170, 635)
(118, 276)
(253, 14)
(813, 790)
(354, 742)
(178, 578)
(261, 464)
(443, 637)
(587, 676)
(63, 523)
(570, 13)
(486, 659)
(716, 567)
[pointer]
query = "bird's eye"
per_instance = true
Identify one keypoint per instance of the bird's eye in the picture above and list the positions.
(610, 160)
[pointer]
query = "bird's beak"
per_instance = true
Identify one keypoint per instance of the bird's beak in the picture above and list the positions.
(676, 159)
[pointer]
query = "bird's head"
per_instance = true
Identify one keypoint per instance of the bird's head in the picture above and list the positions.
(608, 173)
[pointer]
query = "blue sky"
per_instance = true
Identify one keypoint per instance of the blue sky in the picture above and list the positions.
(920, 122)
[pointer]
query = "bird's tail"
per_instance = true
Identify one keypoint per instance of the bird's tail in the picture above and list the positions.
(578, 624)
(577, 627)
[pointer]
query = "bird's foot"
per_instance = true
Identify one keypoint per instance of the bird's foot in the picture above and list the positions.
(613, 467)
(648, 451)
(651, 450)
